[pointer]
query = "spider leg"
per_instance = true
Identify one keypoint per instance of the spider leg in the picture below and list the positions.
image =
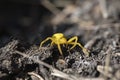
(51, 43)
(59, 48)
(85, 51)
(49, 38)
(75, 39)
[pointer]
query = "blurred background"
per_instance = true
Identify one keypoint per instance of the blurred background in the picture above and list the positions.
(25, 23)
(31, 21)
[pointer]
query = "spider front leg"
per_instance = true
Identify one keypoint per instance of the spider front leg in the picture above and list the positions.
(75, 39)
(49, 38)
(85, 51)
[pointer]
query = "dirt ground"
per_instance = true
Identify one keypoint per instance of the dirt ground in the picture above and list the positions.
(24, 24)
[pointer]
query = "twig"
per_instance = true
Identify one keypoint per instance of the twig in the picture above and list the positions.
(90, 43)
(103, 5)
(106, 69)
(50, 7)
(61, 16)
(38, 61)
(36, 75)
(101, 69)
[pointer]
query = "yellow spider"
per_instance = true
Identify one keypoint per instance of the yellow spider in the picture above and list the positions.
(59, 38)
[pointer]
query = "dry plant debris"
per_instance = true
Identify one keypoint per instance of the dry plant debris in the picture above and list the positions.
(24, 24)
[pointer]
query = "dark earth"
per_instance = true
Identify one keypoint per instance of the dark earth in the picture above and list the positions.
(24, 24)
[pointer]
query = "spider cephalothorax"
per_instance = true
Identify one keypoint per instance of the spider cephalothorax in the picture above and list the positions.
(59, 38)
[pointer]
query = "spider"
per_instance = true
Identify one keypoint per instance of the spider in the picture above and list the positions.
(59, 38)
